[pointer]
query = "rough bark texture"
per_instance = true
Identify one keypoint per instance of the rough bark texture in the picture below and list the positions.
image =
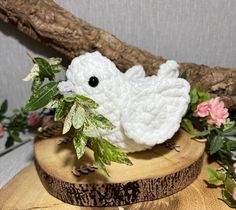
(45, 21)
(119, 194)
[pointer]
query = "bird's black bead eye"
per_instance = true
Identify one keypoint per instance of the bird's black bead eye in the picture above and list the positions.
(93, 81)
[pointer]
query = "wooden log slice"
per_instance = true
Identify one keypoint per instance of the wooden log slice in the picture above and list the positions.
(155, 173)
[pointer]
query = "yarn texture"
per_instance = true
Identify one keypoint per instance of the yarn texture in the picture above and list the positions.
(144, 110)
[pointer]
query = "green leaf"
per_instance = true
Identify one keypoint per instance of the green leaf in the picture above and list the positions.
(203, 96)
(79, 117)
(109, 152)
(42, 97)
(57, 68)
(187, 125)
(54, 61)
(87, 101)
(100, 164)
(60, 112)
(215, 144)
(16, 136)
(53, 104)
(102, 122)
(228, 199)
(202, 133)
(9, 142)
(37, 82)
(4, 106)
(80, 142)
(229, 184)
(214, 177)
(114, 153)
(230, 132)
(70, 97)
(230, 144)
(44, 67)
(90, 130)
(105, 152)
(193, 96)
(68, 119)
(100, 160)
(197, 97)
(229, 124)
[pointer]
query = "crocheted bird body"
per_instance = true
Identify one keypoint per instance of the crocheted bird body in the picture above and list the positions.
(145, 110)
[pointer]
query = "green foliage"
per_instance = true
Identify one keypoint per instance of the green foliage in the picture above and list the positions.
(221, 142)
(80, 142)
(9, 142)
(16, 124)
(224, 181)
(82, 117)
(44, 68)
(187, 125)
(3, 108)
(79, 117)
(101, 122)
(42, 97)
(215, 178)
(230, 131)
(62, 110)
(215, 144)
(105, 152)
(197, 97)
(87, 101)
(77, 112)
(228, 199)
(37, 82)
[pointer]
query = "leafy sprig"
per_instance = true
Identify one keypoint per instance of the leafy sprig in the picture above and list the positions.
(226, 182)
(19, 122)
(76, 111)
(220, 143)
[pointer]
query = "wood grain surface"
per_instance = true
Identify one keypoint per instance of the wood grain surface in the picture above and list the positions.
(155, 173)
(25, 191)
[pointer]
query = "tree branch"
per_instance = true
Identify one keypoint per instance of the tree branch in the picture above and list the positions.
(45, 21)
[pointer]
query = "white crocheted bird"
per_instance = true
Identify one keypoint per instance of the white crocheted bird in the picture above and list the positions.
(145, 110)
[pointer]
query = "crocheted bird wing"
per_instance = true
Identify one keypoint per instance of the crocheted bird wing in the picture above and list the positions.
(154, 114)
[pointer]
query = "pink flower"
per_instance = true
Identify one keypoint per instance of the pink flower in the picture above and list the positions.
(214, 110)
(218, 112)
(234, 194)
(202, 109)
(1, 130)
(33, 119)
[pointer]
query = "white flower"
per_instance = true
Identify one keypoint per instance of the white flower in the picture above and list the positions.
(33, 73)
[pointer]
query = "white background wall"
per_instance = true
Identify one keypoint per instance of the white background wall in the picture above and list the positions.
(201, 31)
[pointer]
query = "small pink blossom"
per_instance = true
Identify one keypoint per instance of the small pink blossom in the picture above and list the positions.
(214, 110)
(202, 109)
(218, 112)
(47, 121)
(1, 130)
(33, 119)
(234, 194)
